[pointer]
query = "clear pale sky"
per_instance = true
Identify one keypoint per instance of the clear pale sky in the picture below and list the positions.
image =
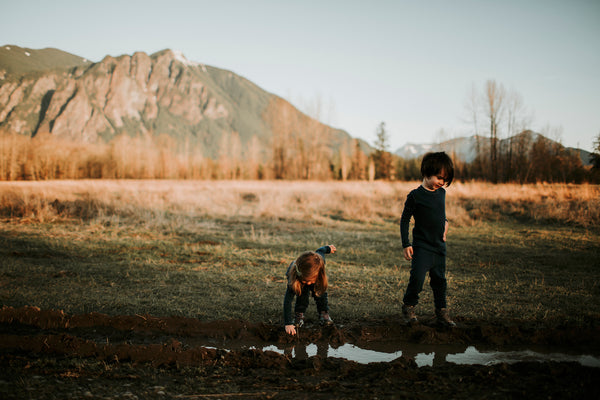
(408, 63)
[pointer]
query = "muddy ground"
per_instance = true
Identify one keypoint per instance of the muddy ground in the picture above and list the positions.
(50, 355)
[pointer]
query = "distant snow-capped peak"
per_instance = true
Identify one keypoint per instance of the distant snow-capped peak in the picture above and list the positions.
(181, 58)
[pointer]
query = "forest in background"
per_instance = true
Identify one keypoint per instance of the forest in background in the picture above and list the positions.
(145, 157)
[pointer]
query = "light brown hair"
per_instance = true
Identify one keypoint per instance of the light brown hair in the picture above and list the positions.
(306, 267)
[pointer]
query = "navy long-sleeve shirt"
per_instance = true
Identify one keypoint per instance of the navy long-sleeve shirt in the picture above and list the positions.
(289, 293)
(429, 211)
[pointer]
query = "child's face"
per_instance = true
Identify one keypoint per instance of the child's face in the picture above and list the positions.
(434, 182)
(309, 281)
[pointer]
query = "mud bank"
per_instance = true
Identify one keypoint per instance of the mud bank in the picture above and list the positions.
(49, 354)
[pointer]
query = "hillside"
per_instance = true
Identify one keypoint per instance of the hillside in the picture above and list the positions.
(465, 148)
(16, 61)
(196, 105)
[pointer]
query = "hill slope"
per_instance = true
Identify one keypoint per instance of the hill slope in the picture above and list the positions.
(155, 95)
(465, 148)
(17, 61)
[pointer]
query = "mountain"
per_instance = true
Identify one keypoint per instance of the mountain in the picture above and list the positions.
(584, 155)
(53, 92)
(17, 61)
(465, 148)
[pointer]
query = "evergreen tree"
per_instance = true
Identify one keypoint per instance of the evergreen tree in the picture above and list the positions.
(382, 158)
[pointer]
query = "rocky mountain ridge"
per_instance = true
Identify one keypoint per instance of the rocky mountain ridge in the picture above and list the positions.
(158, 94)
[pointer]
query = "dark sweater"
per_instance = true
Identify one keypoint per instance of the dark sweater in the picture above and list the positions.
(429, 211)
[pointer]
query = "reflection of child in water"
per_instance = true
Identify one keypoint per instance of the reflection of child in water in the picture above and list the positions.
(299, 351)
(305, 276)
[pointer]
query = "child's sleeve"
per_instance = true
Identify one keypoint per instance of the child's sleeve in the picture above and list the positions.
(407, 213)
(323, 250)
(287, 306)
(288, 299)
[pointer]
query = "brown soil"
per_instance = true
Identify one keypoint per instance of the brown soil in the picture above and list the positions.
(48, 354)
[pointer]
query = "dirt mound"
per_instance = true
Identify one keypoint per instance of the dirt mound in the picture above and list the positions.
(426, 333)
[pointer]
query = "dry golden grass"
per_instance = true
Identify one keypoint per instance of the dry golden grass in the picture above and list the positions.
(362, 201)
(467, 203)
(564, 203)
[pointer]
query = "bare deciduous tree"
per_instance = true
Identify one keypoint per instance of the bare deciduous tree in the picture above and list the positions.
(358, 169)
(595, 158)
(494, 108)
(518, 120)
(499, 113)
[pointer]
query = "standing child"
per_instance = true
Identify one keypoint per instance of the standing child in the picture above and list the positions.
(306, 275)
(427, 205)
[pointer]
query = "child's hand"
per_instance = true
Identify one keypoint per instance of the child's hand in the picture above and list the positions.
(290, 329)
(408, 253)
(332, 248)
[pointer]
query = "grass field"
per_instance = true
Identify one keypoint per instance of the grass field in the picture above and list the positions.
(218, 250)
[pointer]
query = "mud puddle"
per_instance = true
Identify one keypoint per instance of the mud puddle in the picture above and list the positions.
(424, 345)
(433, 356)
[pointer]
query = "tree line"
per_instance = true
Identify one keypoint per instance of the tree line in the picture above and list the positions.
(45, 157)
(523, 160)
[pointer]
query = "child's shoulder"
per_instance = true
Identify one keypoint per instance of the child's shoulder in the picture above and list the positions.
(416, 190)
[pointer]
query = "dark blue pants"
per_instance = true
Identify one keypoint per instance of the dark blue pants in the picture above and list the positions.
(302, 300)
(427, 261)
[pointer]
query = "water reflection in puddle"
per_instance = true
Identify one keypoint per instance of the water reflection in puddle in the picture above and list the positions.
(432, 355)
(473, 356)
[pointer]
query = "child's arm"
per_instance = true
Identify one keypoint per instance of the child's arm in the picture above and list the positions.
(445, 231)
(287, 311)
(326, 249)
(407, 213)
